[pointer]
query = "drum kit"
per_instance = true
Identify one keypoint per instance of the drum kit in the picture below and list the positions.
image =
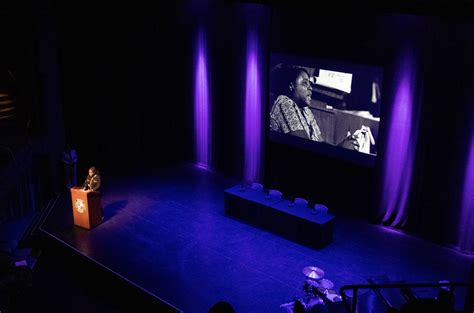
(318, 291)
(318, 286)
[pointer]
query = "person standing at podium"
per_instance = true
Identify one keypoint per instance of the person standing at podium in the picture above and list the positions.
(92, 181)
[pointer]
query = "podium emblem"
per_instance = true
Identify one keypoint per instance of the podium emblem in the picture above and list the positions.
(79, 205)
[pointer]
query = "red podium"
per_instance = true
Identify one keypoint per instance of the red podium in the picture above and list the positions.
(86, 207)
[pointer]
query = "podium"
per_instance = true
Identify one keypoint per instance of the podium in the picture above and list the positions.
(86, 207)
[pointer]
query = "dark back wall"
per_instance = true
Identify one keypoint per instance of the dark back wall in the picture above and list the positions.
(126, 85)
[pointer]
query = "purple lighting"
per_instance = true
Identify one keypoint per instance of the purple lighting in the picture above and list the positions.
(201, 105)
(253, 112)
(399, 155)
(466, 229)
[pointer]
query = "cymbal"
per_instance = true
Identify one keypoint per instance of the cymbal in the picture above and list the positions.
(326, 283)
(313, 272)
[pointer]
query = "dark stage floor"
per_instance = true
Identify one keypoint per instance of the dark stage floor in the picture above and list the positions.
(166, 232)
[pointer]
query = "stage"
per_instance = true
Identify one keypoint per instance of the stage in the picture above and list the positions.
(166, 232)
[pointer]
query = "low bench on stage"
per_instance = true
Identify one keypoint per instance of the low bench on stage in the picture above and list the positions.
(293, 221)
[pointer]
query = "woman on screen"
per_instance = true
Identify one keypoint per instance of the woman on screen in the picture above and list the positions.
(290, 113)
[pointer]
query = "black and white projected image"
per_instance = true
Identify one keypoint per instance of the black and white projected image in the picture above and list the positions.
(327, 103)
